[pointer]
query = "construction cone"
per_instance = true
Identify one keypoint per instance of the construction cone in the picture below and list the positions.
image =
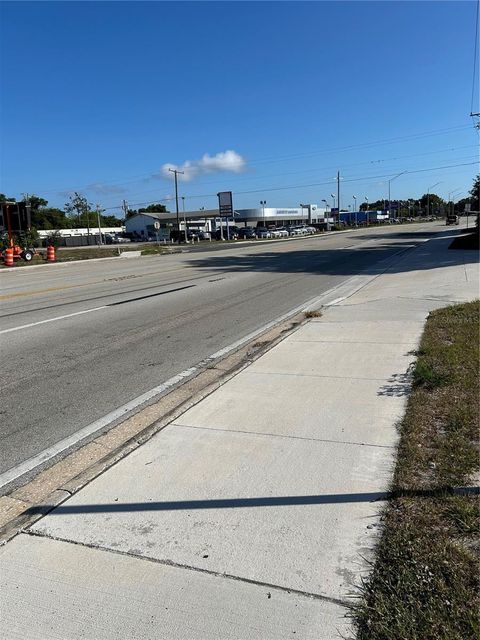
(8, 257)
(50, 254)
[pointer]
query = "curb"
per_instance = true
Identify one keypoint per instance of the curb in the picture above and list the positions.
(28, 506)
(28, 503)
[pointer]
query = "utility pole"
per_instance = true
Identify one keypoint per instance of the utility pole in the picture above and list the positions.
(125, 210)
(100, 239)
(355, 208)
(338, 196)
(176, 172)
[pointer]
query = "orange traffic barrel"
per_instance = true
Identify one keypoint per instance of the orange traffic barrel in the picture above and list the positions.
(8, 257)
(50, 254)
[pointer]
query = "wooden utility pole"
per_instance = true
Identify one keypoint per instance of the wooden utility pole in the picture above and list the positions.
(176, 172)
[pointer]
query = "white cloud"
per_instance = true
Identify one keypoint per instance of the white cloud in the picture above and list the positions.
(224, 161)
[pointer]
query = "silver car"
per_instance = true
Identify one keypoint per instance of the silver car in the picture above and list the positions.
(261, 232)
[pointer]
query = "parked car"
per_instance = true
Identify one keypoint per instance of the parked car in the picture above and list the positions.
(452, 219)
(297, 231)
(274, 233)
(232, 234)
(283, 232)
(262, 232)
(247, 233)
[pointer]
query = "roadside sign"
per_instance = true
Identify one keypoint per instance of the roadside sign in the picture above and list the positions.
(156, 225)
(467, 207)
(225, 204)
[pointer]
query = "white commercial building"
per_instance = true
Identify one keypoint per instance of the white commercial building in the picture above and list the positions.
(144, 225)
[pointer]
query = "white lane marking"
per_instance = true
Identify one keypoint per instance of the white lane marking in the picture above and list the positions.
(69, 315)
(59, 447)
(66, 443)
(47, 454)
(336, 301)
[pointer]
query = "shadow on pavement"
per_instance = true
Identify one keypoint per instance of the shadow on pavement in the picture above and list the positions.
(398, 385)
(242, 503)
(349, 260)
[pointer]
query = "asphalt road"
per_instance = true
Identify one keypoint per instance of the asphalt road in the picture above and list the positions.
(117, 328)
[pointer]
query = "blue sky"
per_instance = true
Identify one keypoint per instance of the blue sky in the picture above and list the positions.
(99, 96)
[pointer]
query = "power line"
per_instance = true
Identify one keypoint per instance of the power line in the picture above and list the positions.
(387, 141)
(313, 184)
(331, 167)
(270, 160)
(475, 49)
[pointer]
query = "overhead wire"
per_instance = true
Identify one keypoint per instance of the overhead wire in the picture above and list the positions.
(306, 186)
(275, 159)
(251, 177)
(475, 58)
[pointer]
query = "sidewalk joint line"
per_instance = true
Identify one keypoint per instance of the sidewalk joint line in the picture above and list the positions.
(282, 435)
(187, 567)
(412, 342)
(318, 375)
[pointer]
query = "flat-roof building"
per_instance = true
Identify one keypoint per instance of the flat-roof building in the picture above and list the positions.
(143, 224)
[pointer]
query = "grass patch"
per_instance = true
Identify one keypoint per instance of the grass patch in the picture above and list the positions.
(424, 583)
(155, 250)
(67, 255)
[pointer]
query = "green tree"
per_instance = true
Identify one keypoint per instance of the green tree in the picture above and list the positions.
(79, 210)
(154, 208)
(475, 194)
(44, 217)
(110, 221)
(4, 198)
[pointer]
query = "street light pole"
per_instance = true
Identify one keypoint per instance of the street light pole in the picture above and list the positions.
(99, 227)
(184, 220)
(263, 203)
(449, 197)
(367, 217)
(428, 196)
(176, 172)
(355, 208)
(391, 180)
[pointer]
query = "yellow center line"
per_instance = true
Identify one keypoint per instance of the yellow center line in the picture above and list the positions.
(39, 291)
(22, 294)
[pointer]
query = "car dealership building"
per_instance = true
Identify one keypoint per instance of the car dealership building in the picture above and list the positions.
(149, 224)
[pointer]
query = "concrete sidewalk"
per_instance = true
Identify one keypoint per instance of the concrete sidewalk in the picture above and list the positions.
(252, 515)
